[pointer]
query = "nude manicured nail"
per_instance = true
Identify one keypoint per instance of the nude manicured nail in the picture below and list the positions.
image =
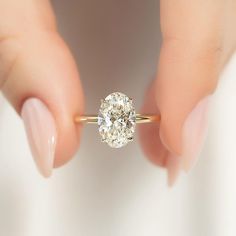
(173, 168)
(41, 132)
(194, 134)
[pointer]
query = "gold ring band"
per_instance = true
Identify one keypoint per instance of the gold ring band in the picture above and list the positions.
(117, 119)
(140, 119)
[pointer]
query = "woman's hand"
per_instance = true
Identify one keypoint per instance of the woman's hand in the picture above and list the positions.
(39, 77)
(198, 38)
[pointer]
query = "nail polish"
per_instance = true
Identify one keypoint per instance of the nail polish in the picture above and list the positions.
(173, 166)
(41, 132)
(194, 134)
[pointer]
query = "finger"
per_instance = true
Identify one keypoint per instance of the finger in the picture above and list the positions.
(188, 72)
(148, 133)
(40, 79)
(151, 143)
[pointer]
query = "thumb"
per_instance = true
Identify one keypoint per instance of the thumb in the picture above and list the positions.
(40, 79)
(188, 71)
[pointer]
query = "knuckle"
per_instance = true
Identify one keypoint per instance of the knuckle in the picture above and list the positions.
(8, 55)
(199, 61)
(177, 48)
(13, 46)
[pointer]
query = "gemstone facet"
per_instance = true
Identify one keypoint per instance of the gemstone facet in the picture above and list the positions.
(117, 120)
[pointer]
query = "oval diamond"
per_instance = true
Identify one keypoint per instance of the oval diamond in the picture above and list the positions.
(116, 120)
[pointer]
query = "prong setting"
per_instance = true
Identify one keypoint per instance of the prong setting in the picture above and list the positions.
(131, 139)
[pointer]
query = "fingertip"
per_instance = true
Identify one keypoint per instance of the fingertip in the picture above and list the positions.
(151, 144)
(50, 76)
(68, 145)
(149, 133)
(171, 138)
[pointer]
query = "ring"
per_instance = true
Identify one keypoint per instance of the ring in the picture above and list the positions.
(117, 119)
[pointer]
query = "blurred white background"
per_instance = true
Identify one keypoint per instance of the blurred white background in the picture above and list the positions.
(106, 192)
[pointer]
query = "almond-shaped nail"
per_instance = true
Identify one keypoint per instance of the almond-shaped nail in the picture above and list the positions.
(194, 134)
(173, 166)
(41, 132)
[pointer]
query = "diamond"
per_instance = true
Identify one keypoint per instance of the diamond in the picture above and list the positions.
(116, 120)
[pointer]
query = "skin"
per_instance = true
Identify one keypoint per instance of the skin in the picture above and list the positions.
(198, 39)
(198, 35)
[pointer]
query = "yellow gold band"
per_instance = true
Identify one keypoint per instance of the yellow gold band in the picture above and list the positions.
(140, 119)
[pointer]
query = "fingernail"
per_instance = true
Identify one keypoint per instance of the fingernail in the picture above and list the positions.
(194, 134)
(41, 132)
(173, 168)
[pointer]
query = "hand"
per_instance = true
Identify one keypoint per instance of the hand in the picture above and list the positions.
(198, 39)
(39, 77)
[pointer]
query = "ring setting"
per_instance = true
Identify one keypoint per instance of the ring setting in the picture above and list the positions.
(117, 119)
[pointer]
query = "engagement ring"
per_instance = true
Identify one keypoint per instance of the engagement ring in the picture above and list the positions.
(117, 119)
